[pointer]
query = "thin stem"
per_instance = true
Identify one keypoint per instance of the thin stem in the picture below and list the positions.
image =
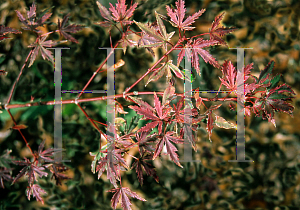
(90, 80)
(199, 35)
(90, 119)
(149, 70)
(72, 101)
(17, 80)
(27, 145)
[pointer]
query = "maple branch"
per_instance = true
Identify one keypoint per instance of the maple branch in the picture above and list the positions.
(149, 70)
(198, 35)
(27, 145)
(17, 80)
(90, 119)
(90, 80)
(101, 98)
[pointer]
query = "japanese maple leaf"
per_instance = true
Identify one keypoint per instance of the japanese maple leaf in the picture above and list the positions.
(55, 168)
(157, 115)
(120, 13)
(217, 32)
(123, 193)
(35, 190)
(233, 78)
(6, 30)
(210, 120)
(166, 67)
(177, 16)
(154, 35)
(5, 174)
(194, 48)
(46, 154)
(39, 46)
(31, 170)
(144, 140)
(273, 101)
(140, 164)
(111, 163)
(30, 23)
(167, 140)
(64, 30)
(126, 41)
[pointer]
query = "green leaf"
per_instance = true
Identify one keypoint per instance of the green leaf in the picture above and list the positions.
(149, 31)
(175, 69)
(278, 96)
(274, 82)
(222, 123)
(267, 71)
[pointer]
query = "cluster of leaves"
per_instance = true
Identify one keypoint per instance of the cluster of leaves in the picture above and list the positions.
(41, 165)
(167, 122)
(32, 24)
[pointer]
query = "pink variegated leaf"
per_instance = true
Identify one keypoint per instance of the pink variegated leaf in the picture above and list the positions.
(39, 46)
(194, 48)
(36, 191)
(177, 16)
(167, 140)
(6, 30)
(64, 30)
(209, 126)
(123, 193)
(31, 23)
(217, 32)
(168, 94)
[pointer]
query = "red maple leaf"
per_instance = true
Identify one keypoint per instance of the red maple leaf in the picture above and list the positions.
(140, 164)
(273, 101)
(122, 193)
(6, 30)
(64, 30)
(157, 115)
(31, 170)
(120, 13)
(111, 162)
(30, 23)
(178, 14)
(46, 154)
(194, 48)
(36, 191)
(217, 32)
(39, 46)
(5, 174)
(232, 78)
(167, 140)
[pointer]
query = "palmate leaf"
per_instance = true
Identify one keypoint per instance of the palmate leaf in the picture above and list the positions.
(232, 78)
(154, 35)
(157, 115)
(120, 13)
(123, 193)
(6, 30)
(64, 30)
(167, 140)
(5, 174)
(46, 154)
(194, 48)
(39, 47)
(36, 191)
(177, 16)
(140, 164)
(166, 67)
(217, 32)
(273, 101)
(31, 170)
(30, 23)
